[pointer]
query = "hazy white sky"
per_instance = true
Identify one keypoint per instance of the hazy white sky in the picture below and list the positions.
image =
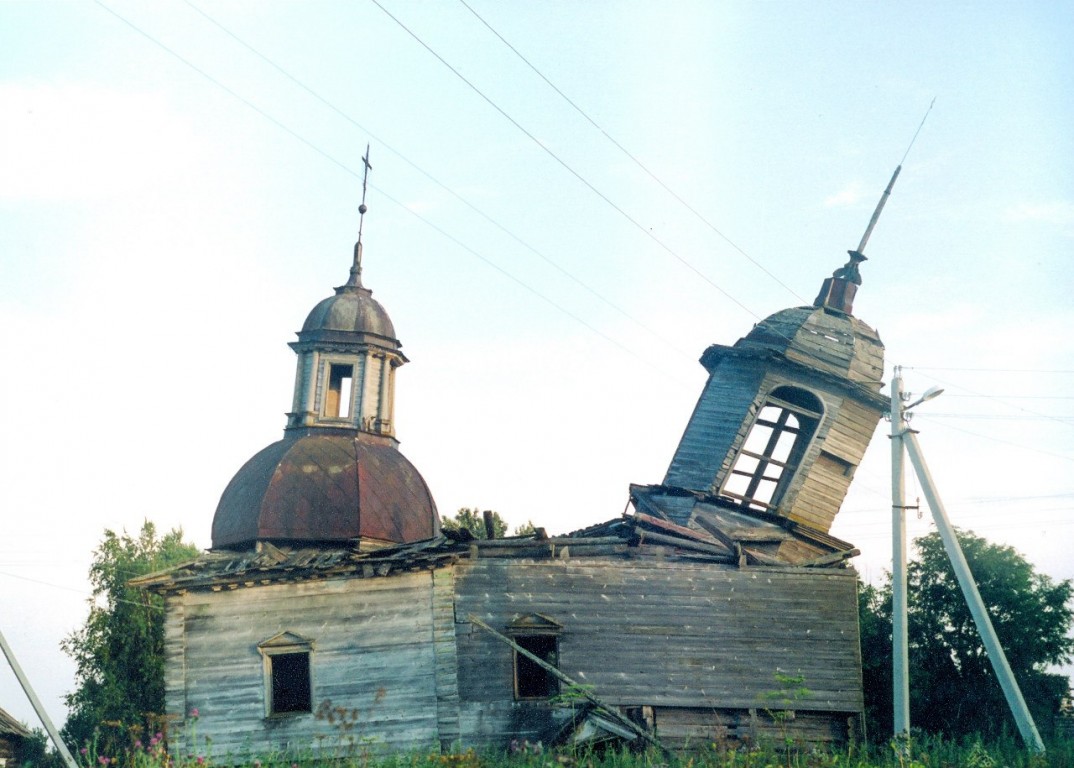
(177, 191)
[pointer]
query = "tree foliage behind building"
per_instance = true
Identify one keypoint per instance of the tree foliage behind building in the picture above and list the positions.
(473, 520)
(953, 690)
(119, 651)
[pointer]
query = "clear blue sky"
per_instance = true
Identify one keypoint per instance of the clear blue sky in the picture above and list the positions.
(173, 202)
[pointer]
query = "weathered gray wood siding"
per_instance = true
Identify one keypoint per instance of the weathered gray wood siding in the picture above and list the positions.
(683, 728)
(373, 654)
(175, 663)
(720, 419)
(661, 634)
(830, 465)
(447, 662)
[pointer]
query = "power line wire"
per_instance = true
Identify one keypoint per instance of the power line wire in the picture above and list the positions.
(382, 143)
(987, 370)
(1005, 442)
(350, 171)
(637, 225)
(357, 175)
(630, 155)
(90, 596)
(548, 300)
(1050, 417)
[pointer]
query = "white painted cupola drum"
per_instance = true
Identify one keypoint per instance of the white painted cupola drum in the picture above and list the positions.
(337, 476)
(347, 357)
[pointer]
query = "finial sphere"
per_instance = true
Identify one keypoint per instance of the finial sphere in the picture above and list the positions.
(362, 208)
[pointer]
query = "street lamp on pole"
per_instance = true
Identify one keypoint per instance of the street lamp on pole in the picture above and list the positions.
(904, 442)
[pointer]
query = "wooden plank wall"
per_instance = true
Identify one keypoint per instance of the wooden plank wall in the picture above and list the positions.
(683, 729)
(447, 663)
(660, 634)
(175, 667)
(718, 422)
(819, 491)
(7, 747)
(373, 654)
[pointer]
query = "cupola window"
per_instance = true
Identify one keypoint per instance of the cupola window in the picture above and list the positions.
(774, 447)
(337, 404)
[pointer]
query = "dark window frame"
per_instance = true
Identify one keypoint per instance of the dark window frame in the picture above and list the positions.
(539, 635)
(532, 682)
(287, 664)
(785, 411)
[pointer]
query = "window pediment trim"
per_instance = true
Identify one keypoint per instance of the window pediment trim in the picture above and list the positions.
(534, 624)
(289, 642)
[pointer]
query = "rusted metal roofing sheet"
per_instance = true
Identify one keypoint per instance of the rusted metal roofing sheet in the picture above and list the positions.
(319, 487)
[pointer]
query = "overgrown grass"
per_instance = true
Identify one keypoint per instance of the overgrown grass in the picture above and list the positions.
(924, 752)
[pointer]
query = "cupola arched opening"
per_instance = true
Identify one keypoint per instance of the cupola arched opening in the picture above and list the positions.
(773, 449)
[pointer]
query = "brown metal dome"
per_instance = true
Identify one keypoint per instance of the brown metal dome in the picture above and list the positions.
(352, 310)
(319, 488)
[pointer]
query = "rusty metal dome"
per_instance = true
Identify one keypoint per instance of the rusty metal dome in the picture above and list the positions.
(325, 488)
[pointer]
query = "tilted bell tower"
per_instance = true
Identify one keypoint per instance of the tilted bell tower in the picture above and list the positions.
(788, 411)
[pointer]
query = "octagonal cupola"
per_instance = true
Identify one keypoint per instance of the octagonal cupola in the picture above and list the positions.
(347, 357)
(337, 476)
(788, 410)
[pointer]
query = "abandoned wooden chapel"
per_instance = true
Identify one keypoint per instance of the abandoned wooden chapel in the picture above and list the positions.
(332, 610)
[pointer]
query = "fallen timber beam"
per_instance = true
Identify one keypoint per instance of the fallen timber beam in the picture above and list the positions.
(835, 557)
(611, 712)
(690, 544)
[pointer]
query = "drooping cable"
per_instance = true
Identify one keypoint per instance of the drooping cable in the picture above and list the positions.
(630, 155)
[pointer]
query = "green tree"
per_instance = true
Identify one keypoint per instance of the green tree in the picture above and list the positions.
(472, 520)
(35, 752)
(953, 690)
(119, 651)
(874, 611)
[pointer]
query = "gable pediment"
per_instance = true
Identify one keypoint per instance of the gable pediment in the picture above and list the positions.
(534, 623)
(285, 640)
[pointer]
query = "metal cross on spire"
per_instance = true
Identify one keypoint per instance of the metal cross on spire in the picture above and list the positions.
(356, 269)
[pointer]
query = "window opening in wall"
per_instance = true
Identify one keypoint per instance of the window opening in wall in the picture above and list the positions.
(288, 679)
(776, 442)
(538, 634)
(532, 681)
(291, 683)
(340, 385)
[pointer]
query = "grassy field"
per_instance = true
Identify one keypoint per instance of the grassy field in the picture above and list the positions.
(926, 752)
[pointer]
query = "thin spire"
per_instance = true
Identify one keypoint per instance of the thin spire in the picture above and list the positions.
(859, 253)
(355, 280)
(837, 291)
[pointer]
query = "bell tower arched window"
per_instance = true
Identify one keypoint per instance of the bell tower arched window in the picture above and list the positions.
(769, 457)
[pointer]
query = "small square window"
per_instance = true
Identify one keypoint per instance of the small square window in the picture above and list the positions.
(286, 660)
